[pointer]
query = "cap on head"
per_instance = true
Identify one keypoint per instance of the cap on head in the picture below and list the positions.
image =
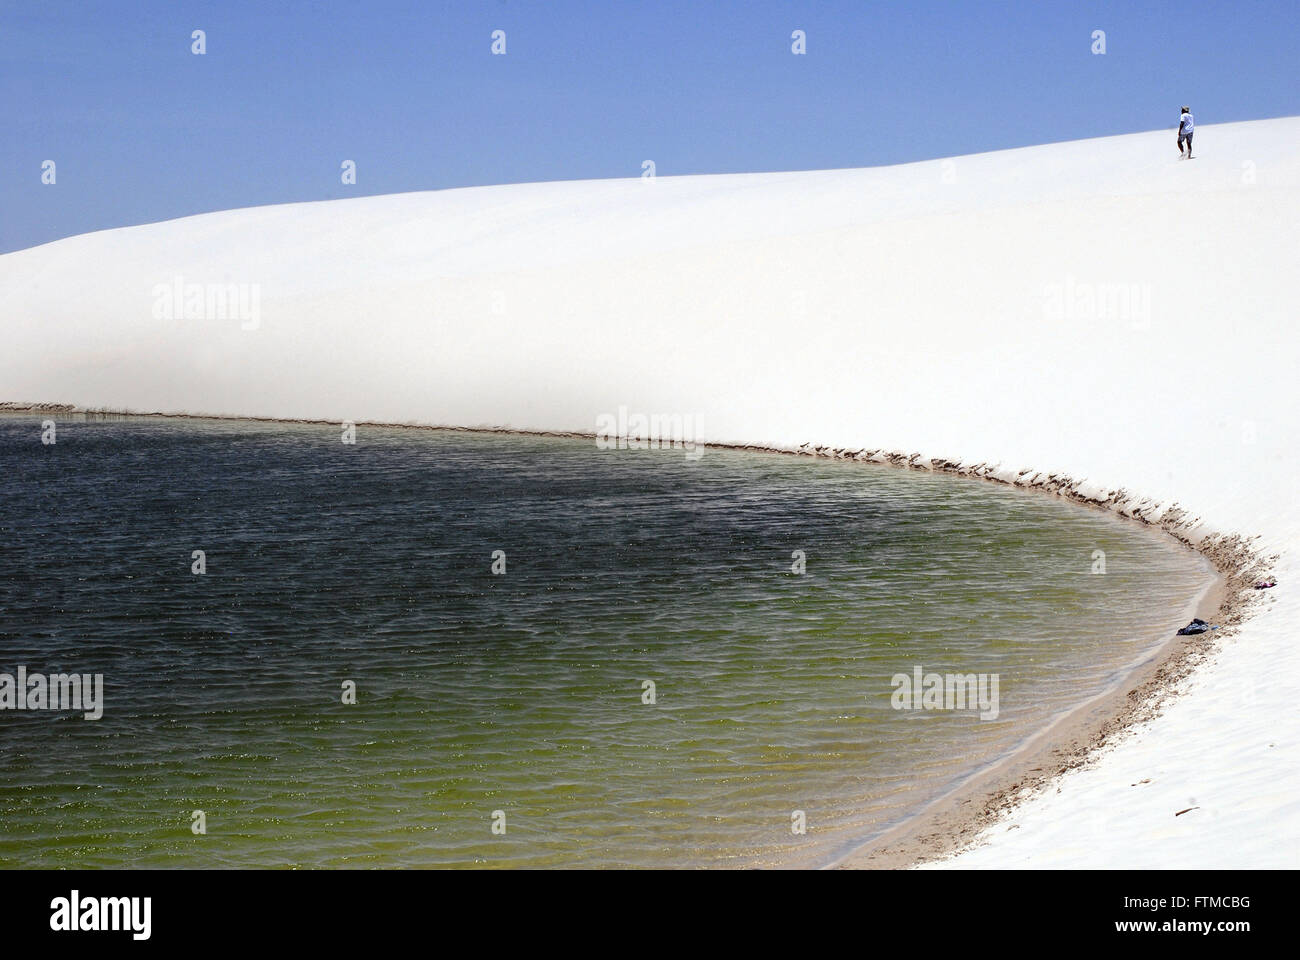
(1187, 109)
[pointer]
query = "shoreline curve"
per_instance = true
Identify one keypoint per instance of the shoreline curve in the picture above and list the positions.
(941, 828)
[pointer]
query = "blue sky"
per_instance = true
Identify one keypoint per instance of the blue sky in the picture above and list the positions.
(141, 129)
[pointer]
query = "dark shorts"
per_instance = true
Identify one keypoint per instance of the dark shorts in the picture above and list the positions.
(1187, 137)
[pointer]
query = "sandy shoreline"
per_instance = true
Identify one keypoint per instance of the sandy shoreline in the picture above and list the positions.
(956, 819)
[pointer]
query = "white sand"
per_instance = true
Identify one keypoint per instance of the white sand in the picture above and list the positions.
(915, 308)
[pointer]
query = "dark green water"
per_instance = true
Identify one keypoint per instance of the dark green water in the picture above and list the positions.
(520, 692)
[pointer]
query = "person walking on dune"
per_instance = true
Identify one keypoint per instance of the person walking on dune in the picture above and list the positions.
(1185, 124)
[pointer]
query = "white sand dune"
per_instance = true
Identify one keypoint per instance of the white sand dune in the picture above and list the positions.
(1097, 308)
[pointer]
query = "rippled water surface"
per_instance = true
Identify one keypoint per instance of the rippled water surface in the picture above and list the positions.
(521, 692)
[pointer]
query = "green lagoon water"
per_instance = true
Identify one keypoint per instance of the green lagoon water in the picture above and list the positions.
(521, 692)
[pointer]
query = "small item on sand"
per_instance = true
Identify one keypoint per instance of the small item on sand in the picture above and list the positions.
(1196, 626)
(1266, 583)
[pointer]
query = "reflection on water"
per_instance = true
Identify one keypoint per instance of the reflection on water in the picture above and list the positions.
(523, 692)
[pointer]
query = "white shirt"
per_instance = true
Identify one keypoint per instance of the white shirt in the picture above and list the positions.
(1186, 121)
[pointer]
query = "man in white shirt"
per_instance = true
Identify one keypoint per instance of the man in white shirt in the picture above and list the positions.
(1185, 125)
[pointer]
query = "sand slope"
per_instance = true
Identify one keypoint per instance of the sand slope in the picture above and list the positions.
(1097, 308)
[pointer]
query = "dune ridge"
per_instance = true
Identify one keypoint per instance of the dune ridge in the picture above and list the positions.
(1098, 309)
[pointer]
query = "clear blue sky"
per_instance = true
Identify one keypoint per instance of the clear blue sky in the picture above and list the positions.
(143, 130)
